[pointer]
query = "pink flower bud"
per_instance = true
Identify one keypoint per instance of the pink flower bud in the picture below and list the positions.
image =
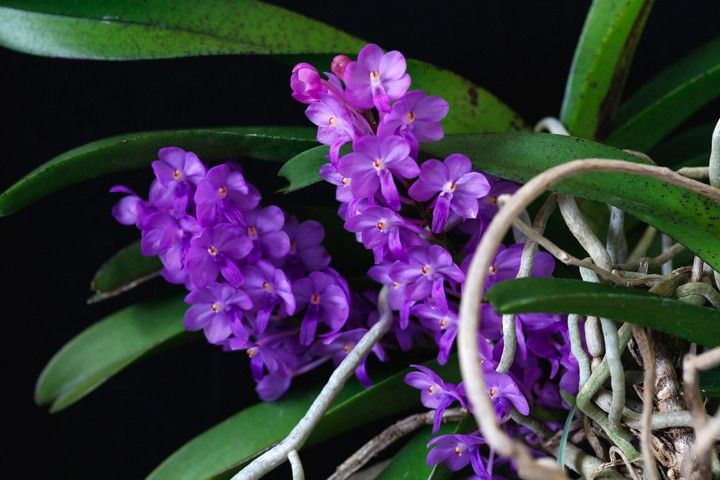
(338, 65)
(306, 83)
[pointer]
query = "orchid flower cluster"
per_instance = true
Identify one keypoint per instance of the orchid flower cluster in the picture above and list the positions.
(251, 270)
(418, 219)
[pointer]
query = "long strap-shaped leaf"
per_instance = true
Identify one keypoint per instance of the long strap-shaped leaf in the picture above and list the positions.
(137, 150)
(126, 30)
(686, 216)
(556, 295)
(232, 443)
(602, 59)
(105, 348)
(667, 100)
(131, 30)
(123, 271)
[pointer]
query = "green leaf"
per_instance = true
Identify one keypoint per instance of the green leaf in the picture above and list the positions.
(165, 29)
(600, 65)
(688, 217)
(556, 295)
(138, 150)
(472, 109)
(669, 99)
(710, 383)
(231, 444)
(690, 148)
(105, 348)
(126, 30)
(303, 169)
(410, 462)
(123, 271)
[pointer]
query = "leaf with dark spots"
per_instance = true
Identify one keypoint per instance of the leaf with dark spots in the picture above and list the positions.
(124, 30)
(667, 100)
(600, 65)
(560, 295)
(682, 214)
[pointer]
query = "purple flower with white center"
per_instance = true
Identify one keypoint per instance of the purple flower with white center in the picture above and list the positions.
(330, 173)
(456, 451)
(443, 323)
(267, 287)
(175, 166)
(272, 364)
(435, 394)
(425, 273)
(306, 84)
(504, 393)
(223, 193)
(177, 172)
(339, 345)
(306, 251)
(214, 309)
(376, 78)
(372, 165)
(216, 250)
(396, 291)
(380, 226)
(415, 115)
(128, 209)
(488, 204)
(457, 188)
(160, 231)
(506, 264)
(264, 227)
(336, 125)
(326, 302)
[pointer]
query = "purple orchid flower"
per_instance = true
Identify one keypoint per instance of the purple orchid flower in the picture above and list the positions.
(443, 323)
(223, 193)
(488, 204)
(434, 392)
(416, 117)
(272, 364)
(336, 124)
(376, 78)
(425, 273)
(267, 287)
(506, 264)
(339, 345)
(372, 165)
(456, 451)
(326, 302)
(177, 172)
(306, 84)
(504, 393)
(216, 250)
(213, 309)
(457, 188)
(379, 227)
(264, 229)
(128, 210)
(330, 173)
(306, 251)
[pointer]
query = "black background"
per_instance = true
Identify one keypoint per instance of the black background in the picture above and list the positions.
(519, 50)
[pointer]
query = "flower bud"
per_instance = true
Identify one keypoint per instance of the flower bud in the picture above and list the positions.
(306, 83)
(338, 65)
